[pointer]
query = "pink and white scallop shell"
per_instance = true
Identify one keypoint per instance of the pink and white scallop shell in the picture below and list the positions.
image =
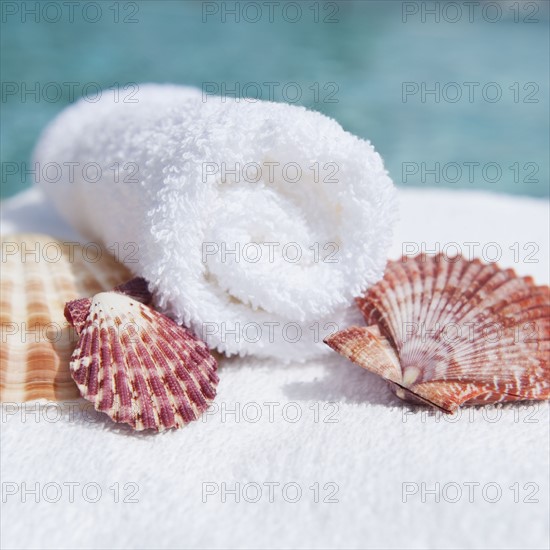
(137, 365)
(448, 331)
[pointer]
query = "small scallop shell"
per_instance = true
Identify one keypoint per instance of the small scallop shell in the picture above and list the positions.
(40, 274)
(448, 331)
(137, 365)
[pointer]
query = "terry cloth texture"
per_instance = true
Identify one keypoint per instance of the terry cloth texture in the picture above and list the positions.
(255, 222)
(390, 475)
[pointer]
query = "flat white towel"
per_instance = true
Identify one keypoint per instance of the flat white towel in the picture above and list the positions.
(256, 223)
(366, 440)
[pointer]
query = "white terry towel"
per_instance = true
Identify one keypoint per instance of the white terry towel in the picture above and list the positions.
(256, 223)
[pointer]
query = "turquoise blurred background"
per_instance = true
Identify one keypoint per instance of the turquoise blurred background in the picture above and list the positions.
(365, 63)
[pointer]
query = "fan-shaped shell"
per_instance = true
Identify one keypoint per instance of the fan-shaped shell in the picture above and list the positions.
(448, 331)
(137, 365)
(39, 274)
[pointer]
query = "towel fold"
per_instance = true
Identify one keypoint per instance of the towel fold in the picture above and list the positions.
(255, 223)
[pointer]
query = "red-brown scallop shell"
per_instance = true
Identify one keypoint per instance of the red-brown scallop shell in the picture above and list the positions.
(449, 331)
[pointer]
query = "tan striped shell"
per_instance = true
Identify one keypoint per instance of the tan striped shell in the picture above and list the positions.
(39, 274)
(448, 331)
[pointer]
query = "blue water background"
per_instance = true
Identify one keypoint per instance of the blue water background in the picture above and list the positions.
(357, 56)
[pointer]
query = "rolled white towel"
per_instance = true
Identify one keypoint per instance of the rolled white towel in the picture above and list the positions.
(256, 223)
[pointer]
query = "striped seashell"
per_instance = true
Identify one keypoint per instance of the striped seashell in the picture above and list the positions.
(137, 365)
(39, 274)
(448, 331)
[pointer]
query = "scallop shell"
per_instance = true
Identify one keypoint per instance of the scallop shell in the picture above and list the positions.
(39, 274)
(448, 331)
(137, 365)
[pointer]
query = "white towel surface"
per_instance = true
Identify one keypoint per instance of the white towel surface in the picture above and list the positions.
(256, 223)
(375, 445)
